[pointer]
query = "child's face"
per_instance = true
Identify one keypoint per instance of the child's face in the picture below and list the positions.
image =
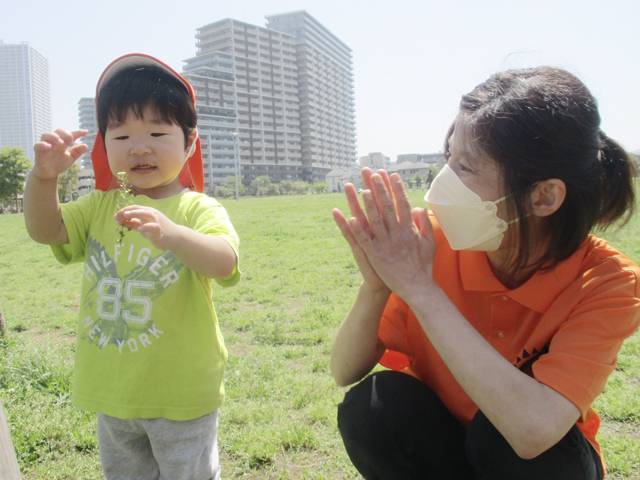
(151, 152)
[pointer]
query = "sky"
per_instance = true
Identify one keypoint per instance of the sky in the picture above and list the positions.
(412, 59)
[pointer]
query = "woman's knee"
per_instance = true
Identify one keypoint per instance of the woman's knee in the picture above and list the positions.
(375, 402)
(361, 405)
(394, 426)
(493, 457)
(484, 443)
(391, 401)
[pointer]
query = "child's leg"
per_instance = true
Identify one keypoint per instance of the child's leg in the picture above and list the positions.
(185, 450)
(125, 451)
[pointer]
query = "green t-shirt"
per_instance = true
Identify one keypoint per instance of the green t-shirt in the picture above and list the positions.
(148, 341)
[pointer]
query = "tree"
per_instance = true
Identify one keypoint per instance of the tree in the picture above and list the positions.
(261, 185)
(320, 187)
(68, 182)
(222, 191)
(273, 189)
(286, 187)
(14, 164)
(635, 157)
(229, 184)
(299, 187)
(430, 177)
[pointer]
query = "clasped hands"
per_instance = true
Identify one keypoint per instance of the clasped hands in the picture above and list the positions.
(392, 244)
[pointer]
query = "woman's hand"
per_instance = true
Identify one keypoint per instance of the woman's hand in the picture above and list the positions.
(56, 152)
(397, 242)
(371, 279)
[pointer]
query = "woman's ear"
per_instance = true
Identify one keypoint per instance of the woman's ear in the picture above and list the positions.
(547, 197)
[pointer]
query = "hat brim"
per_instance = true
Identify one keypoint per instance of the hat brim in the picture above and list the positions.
(139, 59)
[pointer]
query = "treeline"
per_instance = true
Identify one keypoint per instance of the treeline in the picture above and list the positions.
(262, 185)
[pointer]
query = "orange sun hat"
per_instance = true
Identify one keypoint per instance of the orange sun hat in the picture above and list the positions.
(192, 174)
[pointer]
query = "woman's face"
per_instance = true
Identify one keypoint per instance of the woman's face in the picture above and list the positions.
(480, 173)
(476, 170)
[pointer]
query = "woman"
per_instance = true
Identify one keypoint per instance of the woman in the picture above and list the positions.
(497, 313)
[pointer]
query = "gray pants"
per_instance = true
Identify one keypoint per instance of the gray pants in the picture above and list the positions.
(159, 449)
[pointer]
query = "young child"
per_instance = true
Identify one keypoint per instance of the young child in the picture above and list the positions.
(150, 355)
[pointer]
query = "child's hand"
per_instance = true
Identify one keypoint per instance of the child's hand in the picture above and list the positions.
(152, 224)
(56, 151)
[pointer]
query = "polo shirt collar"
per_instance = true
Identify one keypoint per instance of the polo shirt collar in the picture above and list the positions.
(536, 294)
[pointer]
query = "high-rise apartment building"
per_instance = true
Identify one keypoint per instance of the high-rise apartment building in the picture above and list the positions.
(25, 103)
(279, 102)
(325, 89)
(87, 121)
(245, 80)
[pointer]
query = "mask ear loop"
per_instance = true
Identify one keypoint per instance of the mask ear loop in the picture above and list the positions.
(515, 220)
(502, 199)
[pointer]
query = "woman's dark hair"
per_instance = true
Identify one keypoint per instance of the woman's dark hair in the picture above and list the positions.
(543, 123)
(137, 87)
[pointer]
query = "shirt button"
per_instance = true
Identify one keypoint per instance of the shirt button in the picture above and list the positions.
(500, 334)
(504, 298)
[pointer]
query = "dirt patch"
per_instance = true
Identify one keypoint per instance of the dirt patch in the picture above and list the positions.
(50, 338)
(624, 429)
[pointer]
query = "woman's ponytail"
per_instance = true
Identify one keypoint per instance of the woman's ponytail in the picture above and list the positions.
(618, 195)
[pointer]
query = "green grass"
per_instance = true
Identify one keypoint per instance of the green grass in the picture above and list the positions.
(279, 418)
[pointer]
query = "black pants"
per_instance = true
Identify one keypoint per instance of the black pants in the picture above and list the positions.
(395, 428)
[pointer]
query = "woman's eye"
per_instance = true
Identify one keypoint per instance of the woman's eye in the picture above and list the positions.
(157, 134)
(121, 137)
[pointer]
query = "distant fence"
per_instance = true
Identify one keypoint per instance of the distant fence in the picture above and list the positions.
(13, 205)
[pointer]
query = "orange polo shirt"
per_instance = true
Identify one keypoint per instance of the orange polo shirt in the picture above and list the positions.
(564, 326)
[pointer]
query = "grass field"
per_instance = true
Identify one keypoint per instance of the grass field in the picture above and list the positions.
(279, 418)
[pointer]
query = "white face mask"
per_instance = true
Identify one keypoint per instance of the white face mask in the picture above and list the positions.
(468, 222)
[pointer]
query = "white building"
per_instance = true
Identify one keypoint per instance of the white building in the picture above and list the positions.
(409, 171)
(430, 158)
(86, 180)
(287, 90)
(337, 177)
(375, 160)
(25, 103)
(325, 89)
(87, 120)
(245, 79)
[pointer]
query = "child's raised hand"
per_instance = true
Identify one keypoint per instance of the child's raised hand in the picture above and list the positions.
(152, 224)
(56, 151)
